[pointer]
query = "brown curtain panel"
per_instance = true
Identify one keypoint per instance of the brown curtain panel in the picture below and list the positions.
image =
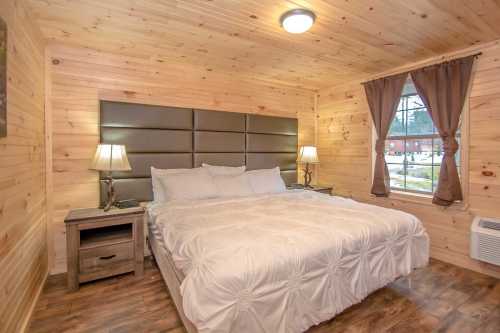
(383, 97)
(443, 89)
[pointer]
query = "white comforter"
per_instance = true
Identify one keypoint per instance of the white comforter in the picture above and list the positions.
(284, 262)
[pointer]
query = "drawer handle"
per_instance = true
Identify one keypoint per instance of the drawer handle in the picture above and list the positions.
(107, 257)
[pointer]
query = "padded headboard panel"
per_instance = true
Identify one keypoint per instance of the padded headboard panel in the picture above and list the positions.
(169, 137)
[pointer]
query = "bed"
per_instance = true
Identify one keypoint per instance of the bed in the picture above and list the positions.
(280, 262)
(259, 263)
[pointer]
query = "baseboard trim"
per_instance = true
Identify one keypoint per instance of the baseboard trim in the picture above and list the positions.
(27, 319)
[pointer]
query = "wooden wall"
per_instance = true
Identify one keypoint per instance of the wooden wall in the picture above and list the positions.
(23, 245)
(80, 77)
(345, 151)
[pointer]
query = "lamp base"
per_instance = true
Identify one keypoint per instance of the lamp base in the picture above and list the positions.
(307, 176)
(111, 197)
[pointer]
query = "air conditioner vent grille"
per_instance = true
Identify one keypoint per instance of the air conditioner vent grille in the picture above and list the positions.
(489, 248)
(485, 240)
(489, 225)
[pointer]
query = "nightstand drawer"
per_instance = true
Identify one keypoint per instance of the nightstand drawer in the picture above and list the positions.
(100, 258)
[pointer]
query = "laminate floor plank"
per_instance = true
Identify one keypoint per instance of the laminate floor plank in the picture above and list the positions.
(438, 298)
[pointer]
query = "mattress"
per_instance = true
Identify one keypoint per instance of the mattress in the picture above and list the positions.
(154, 230)
(155, 236)
(283, 262)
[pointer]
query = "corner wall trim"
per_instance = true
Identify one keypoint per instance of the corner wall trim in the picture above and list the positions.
(27, 320)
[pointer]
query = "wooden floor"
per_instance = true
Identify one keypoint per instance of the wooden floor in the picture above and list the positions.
(438, 298)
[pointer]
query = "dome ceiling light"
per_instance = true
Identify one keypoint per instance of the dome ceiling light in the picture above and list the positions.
(297, 21)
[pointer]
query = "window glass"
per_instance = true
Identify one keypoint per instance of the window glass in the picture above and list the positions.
(414, 102)
(398, 125)
(419, 151)
(435, 176)
(438, 151)
(419, 178)
(397, 174)
(419, 122)
(394, 151)
(413, 149)
(457, 154)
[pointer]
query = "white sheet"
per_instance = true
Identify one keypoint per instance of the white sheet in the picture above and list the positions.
(284, 262)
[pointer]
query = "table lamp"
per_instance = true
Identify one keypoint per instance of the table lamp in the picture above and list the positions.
(308, 155)
(109, 158)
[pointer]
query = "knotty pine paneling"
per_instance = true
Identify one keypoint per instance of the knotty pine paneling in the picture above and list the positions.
(350, 39)
(80, 77)
(23, 242)
(344, 147)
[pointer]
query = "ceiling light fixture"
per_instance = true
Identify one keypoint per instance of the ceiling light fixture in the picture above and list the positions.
(297, 21)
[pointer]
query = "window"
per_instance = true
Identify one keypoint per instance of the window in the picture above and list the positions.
(414, 150)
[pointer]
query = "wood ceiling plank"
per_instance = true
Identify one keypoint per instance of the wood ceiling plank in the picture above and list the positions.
(350, 38)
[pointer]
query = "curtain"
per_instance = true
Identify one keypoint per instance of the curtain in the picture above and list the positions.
(383, 98)
(443, 88)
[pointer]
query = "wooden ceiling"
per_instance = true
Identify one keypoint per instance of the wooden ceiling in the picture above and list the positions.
(351, 38)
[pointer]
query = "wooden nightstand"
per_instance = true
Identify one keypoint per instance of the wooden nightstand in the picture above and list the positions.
(315, 188)
(102, 244)
(321, 189)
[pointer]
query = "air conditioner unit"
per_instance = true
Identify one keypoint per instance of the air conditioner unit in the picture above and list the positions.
(485, 240)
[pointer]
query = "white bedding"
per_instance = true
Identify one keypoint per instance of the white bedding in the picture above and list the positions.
(284, 262)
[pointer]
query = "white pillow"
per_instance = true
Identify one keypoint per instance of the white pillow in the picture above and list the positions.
(233, 186)
(216, 170)
(157, 174)
(188, 185)
(266, 181)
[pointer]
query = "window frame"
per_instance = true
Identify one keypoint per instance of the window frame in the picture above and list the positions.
(409, 137)
(421, 197)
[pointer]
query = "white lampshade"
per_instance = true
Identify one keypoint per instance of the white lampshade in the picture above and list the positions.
(110, 158)
(308, 154)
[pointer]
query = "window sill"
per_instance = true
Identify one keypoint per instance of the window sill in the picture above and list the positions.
(413, 197)
(425, 199)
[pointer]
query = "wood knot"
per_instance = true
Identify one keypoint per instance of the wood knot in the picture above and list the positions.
(488, 173)
(56, 62)
(129, 93)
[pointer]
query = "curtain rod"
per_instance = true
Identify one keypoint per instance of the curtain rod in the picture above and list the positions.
(475, 55)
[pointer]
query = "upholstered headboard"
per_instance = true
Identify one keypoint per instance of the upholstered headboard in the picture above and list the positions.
(169, 137)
